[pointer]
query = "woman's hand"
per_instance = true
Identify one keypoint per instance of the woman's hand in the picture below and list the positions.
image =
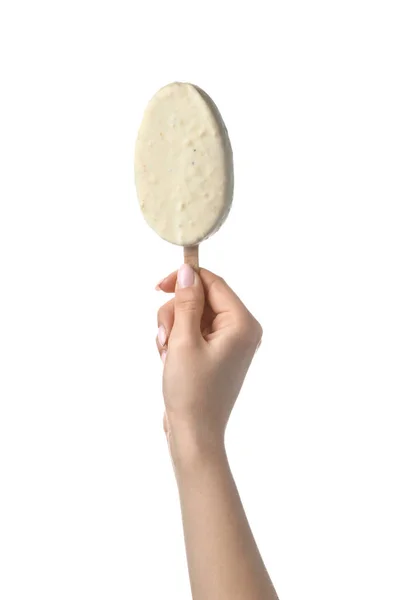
(207, 339)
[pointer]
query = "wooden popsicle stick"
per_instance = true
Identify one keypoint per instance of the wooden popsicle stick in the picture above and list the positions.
(191, 256)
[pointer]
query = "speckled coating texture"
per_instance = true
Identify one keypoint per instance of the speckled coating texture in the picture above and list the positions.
(183, 165)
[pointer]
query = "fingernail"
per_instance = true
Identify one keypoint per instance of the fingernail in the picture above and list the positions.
(163, 355)
(158, 288)
(162, 335)
(185, 276)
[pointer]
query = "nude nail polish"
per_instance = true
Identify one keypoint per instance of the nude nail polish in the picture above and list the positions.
(162, 335)
(185, 276)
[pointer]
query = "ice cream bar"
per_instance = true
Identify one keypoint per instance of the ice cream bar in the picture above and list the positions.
(183, 166)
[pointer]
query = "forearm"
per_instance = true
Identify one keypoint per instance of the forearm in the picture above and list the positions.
(223, 558)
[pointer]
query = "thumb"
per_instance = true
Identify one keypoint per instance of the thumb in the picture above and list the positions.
(189, 304)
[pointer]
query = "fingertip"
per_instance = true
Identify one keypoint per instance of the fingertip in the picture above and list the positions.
(167, 284)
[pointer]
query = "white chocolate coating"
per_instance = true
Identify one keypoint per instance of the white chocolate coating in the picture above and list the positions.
(183, 165)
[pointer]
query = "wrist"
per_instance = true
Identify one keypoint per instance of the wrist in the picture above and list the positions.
(193, 447)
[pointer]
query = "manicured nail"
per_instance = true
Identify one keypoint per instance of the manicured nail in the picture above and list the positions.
(185, 276)
(158, 288)
(162, 335)
(163, 355)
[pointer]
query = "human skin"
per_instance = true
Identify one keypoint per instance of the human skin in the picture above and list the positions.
(207, 339)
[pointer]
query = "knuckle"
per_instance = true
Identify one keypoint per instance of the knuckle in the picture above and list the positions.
(216, 283)
(161, 312)
(258, 330)
(187, 305)
(249, 330)
(187, 301)
(164, 313)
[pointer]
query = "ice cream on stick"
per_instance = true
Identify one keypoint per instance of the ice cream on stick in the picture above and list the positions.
(184, 167)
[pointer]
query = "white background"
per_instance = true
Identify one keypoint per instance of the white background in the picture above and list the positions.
(310, 94)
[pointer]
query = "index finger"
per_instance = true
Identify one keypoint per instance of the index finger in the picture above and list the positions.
(219, 295)
(168, 284)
